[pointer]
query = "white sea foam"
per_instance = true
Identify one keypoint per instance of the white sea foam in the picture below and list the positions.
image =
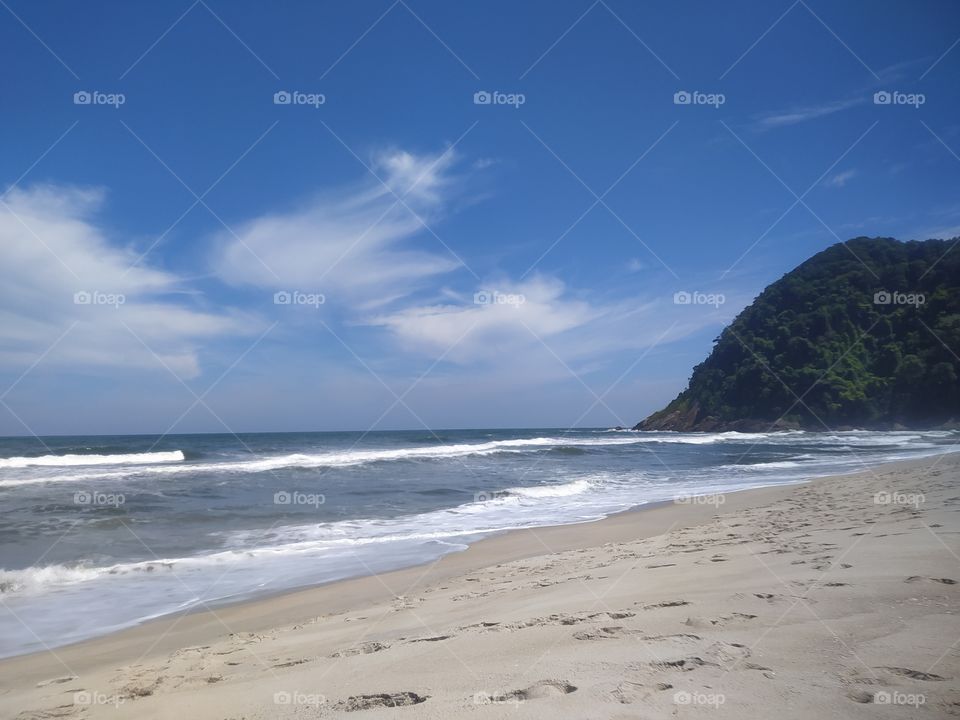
(318, 460)
(550, 491)
(75, 460)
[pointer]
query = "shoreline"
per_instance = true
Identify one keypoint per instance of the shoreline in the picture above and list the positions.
(259, 613)
(564, 607)
(263, 611)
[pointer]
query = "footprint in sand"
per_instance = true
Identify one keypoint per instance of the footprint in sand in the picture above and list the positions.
(537, 691)
(362, 649)
(60, 711)
(703, 622)
(629, 692)
(435, 638)
(380, 700)
(666, 604)
(56, 681)
(912, 674)
(921, 578)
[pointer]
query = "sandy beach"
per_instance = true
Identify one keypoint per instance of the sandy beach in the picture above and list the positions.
(835, 598)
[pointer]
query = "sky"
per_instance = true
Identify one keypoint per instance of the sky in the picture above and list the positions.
(235, 216)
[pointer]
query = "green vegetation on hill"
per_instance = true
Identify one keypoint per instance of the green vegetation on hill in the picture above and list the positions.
(835, 343)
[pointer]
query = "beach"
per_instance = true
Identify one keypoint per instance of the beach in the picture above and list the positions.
(835, 598)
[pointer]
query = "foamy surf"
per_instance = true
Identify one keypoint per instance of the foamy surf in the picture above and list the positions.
(146, 458)
(294, 460)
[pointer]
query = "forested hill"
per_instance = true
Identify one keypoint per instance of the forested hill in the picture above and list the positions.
(865, 334)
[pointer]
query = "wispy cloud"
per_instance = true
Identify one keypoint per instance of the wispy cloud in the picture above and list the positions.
(840, 179)
(519, 329)
(800, 114)
(351, 244)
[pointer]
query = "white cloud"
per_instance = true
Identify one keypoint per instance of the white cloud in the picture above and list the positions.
(840, 179)
(52, 250)
(548, 335)
(350, 245)
(498, 316)
(804, 113)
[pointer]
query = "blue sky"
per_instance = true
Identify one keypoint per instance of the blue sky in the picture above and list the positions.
(580, 212)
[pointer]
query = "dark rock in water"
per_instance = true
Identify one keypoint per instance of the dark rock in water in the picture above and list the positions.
(858, 336)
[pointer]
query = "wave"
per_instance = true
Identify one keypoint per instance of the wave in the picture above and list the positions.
(347, 458)
(74, 460)
(710, 438)
(544, 491)
(38, 578)
(760, 467)
(162, 463)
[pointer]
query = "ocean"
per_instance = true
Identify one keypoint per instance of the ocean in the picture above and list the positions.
(101, 533)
